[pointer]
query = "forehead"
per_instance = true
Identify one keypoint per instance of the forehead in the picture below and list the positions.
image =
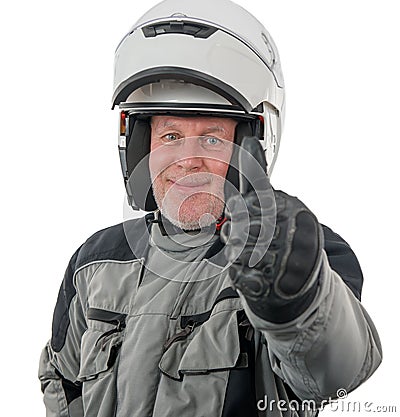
(222, 124)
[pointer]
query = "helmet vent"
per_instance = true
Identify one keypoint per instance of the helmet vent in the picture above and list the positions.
(179, 27)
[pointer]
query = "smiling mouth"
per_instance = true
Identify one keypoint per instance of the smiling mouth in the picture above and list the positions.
(190, 185)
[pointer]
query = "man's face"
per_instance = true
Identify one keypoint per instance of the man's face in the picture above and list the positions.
(189, 160)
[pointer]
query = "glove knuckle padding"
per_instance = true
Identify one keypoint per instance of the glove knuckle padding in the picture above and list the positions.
(250, 281)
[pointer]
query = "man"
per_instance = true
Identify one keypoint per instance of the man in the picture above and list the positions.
(228, 298)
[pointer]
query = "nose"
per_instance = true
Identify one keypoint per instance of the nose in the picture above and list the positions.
(190, 156)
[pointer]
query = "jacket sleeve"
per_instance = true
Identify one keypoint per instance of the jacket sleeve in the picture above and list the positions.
(60, 359)
(332, 345)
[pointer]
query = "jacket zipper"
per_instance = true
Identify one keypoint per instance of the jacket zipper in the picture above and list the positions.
(249, 328)
(191, 324)
(120, 325)
(183, 334)
(117, 319)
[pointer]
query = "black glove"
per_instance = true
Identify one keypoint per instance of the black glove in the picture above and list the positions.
(284, 257)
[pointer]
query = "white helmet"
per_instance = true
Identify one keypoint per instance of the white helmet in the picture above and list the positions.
(208, 57)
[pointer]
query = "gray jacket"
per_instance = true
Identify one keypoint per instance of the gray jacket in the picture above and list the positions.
(149, 325)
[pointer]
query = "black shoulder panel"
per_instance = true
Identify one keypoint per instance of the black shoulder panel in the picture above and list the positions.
(61, 316)
(108, 244)
(343, 260)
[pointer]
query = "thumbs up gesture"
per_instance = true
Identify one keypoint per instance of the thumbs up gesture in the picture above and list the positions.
(273, 242)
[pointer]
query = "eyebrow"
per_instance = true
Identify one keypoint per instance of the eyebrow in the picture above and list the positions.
(215, 129)
(165, 125)
(168, 124)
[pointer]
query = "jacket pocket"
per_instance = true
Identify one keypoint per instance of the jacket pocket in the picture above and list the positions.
(208, 347)
(100, 343)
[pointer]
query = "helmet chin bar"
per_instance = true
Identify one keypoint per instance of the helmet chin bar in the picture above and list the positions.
(134, 151)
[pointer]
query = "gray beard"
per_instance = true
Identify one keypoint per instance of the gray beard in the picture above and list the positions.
(207, 219)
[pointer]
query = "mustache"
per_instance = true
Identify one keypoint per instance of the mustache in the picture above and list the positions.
(192, 180)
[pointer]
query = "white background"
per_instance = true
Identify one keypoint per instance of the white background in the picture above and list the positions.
(60, 175)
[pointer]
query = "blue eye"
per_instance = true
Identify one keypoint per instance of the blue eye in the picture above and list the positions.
(171, 137)
(212, 140)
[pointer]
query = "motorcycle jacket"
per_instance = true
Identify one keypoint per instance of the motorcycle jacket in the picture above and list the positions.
(148, 324)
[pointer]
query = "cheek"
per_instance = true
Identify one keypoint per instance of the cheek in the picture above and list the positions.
(160, 159)
(219, 168)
